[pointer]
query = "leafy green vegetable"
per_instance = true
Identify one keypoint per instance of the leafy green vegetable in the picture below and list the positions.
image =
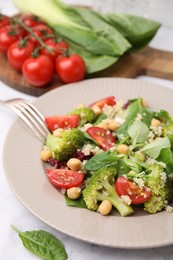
(134, 109)
(43, 244)
(153, 149)
(99, 160)
(138, 132)
(93, 62)
(139, 31)
(132, 165)
(120, 44)
(79, 203)
(166, 156)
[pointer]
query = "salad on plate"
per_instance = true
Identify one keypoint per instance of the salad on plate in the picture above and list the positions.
(112, 155)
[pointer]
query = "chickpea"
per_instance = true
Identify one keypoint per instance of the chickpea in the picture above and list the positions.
(105, 207)
(58, 132)
(103, 125)
(123, 149)
(97, 110)
(45, 155)
(74, 164)
(155, 122)
(141, 156)
(74, 193)
(144, 103)
(113, 125)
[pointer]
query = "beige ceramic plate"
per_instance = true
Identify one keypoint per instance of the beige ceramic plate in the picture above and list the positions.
(25, 172)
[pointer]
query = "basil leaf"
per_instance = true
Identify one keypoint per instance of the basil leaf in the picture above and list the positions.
(43, 244)
(138, 132)
(153, 149)
(99, 160)
(79, 203)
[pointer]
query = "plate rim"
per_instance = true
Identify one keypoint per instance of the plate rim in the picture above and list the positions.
(36, 102)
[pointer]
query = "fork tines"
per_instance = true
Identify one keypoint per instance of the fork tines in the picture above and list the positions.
(32, 117)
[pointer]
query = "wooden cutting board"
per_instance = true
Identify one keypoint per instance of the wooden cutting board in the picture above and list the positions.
(148, 61)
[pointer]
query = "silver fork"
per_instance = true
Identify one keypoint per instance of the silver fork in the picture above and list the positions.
(30, 115)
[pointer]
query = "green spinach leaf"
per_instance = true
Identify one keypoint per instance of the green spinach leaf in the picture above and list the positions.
(138, 132)
(43, 244)
(153, 149)
(134, 109)
(166, 156)
(79, 203)
(99, 160)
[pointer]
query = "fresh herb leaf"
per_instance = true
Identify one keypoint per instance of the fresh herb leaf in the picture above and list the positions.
(43, 244)
(134, 109)
(99, 160)
(153, 149)
(132, 164)
(100, 118)
(166, 156)
(138, 132)
(79, 203)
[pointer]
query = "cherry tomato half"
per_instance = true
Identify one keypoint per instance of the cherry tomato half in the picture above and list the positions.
(70, 69)
(110, 101)
(103, 137)
(38, 71)
(8, 35)
(137, 195)
(17, 54)
(64, 178)
(57, 47)
(65, 122)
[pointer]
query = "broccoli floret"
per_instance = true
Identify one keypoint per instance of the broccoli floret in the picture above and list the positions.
(100, 187)
(63, 148)
(85, 114)
(160, 186)
(168, 129)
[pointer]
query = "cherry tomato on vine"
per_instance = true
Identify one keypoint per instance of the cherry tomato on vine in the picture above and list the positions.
(64, 178)
(42, 31)
(38, 71)
(8, 35)
(65, 122)
(104, 138)
(31, 20)
(58, 48)
(127, 187)
(4, 20)
(70, 69)
(110, 101)
(18, 52)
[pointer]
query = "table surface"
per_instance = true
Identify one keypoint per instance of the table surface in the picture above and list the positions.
(13, 212)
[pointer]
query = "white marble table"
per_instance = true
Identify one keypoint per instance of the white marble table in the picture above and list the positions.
(13, 212)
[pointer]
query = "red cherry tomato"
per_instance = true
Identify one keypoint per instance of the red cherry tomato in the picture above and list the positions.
(65, 122)
(70, 69)
(57, 47)
(31, 20)
(42, 31)
(8, 35)
(38, 71)
(110, 101)
(137, 195)
(4, 20)
(17, 54)
(64, 178)
(103, 137)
